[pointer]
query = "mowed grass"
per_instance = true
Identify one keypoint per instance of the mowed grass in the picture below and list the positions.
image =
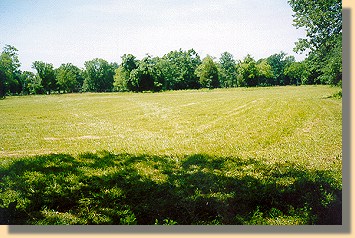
(273, 123)
(228, 156)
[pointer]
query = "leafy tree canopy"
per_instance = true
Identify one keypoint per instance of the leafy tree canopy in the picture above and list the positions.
(98, 75)
(46, 74)
(69, 77)
(247, 72)
(208, 73)
(322, 20)
(228, 73)
(9, 71)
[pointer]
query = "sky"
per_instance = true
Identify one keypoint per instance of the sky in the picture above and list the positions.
(75, 31)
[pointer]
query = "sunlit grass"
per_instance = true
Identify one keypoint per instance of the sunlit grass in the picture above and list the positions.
(274, 123)
(230, 156)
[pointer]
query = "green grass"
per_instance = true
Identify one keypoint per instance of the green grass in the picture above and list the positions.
(228, 156)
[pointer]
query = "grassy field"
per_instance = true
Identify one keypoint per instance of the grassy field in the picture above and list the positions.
(228, 156)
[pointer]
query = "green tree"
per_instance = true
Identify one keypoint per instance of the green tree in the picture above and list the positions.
(178, 70)
(2, 84)
(46, 74)
(247, 72)
(120, 79)
(31, 83)
(139, 75)
(227, 70)
(264, 73)
(287, 62)
(296, 72)
(208, 73)
(276, 61)
(142, 78)
(312, 71)
(9, 71)
(169, 66)
(69, 78)
(322, 20)
(98, 75)
(159, 80)
(190, 61)
(331, 63)
(129, 63)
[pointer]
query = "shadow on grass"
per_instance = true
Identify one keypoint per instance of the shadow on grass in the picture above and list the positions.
(105, 188)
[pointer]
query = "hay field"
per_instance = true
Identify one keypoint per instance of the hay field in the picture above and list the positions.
(228, 156)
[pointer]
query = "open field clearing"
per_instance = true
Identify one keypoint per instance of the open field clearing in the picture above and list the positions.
(227, 156)
(273, 123)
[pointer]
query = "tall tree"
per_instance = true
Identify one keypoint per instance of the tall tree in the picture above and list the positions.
(171, 67)
(247, 72)
(178, 69)
(322, 20)
(208, 73)
(9, 71)
(139, 75)
(191, 61)
(98, 75)
(142, 78)
(278, 63)
(122, 78)
(264, 73)
(46, 74)
(69, 78)
(287, 62)
(228, 73)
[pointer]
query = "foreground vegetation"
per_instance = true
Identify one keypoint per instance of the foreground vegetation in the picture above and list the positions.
(104, 188)
(231, 156)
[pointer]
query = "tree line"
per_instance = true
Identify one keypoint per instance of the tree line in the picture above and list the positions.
(184, 69)
(176, 70)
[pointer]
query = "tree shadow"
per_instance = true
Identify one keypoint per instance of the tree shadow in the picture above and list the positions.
(104, 188)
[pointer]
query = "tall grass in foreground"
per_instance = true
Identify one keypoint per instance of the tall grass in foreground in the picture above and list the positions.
(105, 188)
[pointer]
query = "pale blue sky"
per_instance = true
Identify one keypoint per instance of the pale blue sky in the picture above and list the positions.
(75, 31)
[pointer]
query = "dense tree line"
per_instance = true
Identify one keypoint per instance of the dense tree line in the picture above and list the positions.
(182, 69)
(174, 71)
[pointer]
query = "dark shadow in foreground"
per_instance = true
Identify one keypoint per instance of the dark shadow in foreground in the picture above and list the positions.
(105, 188)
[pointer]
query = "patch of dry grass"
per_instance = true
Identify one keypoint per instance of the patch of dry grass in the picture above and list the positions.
(275, 124)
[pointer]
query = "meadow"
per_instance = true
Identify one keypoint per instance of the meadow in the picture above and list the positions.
(268, 155)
